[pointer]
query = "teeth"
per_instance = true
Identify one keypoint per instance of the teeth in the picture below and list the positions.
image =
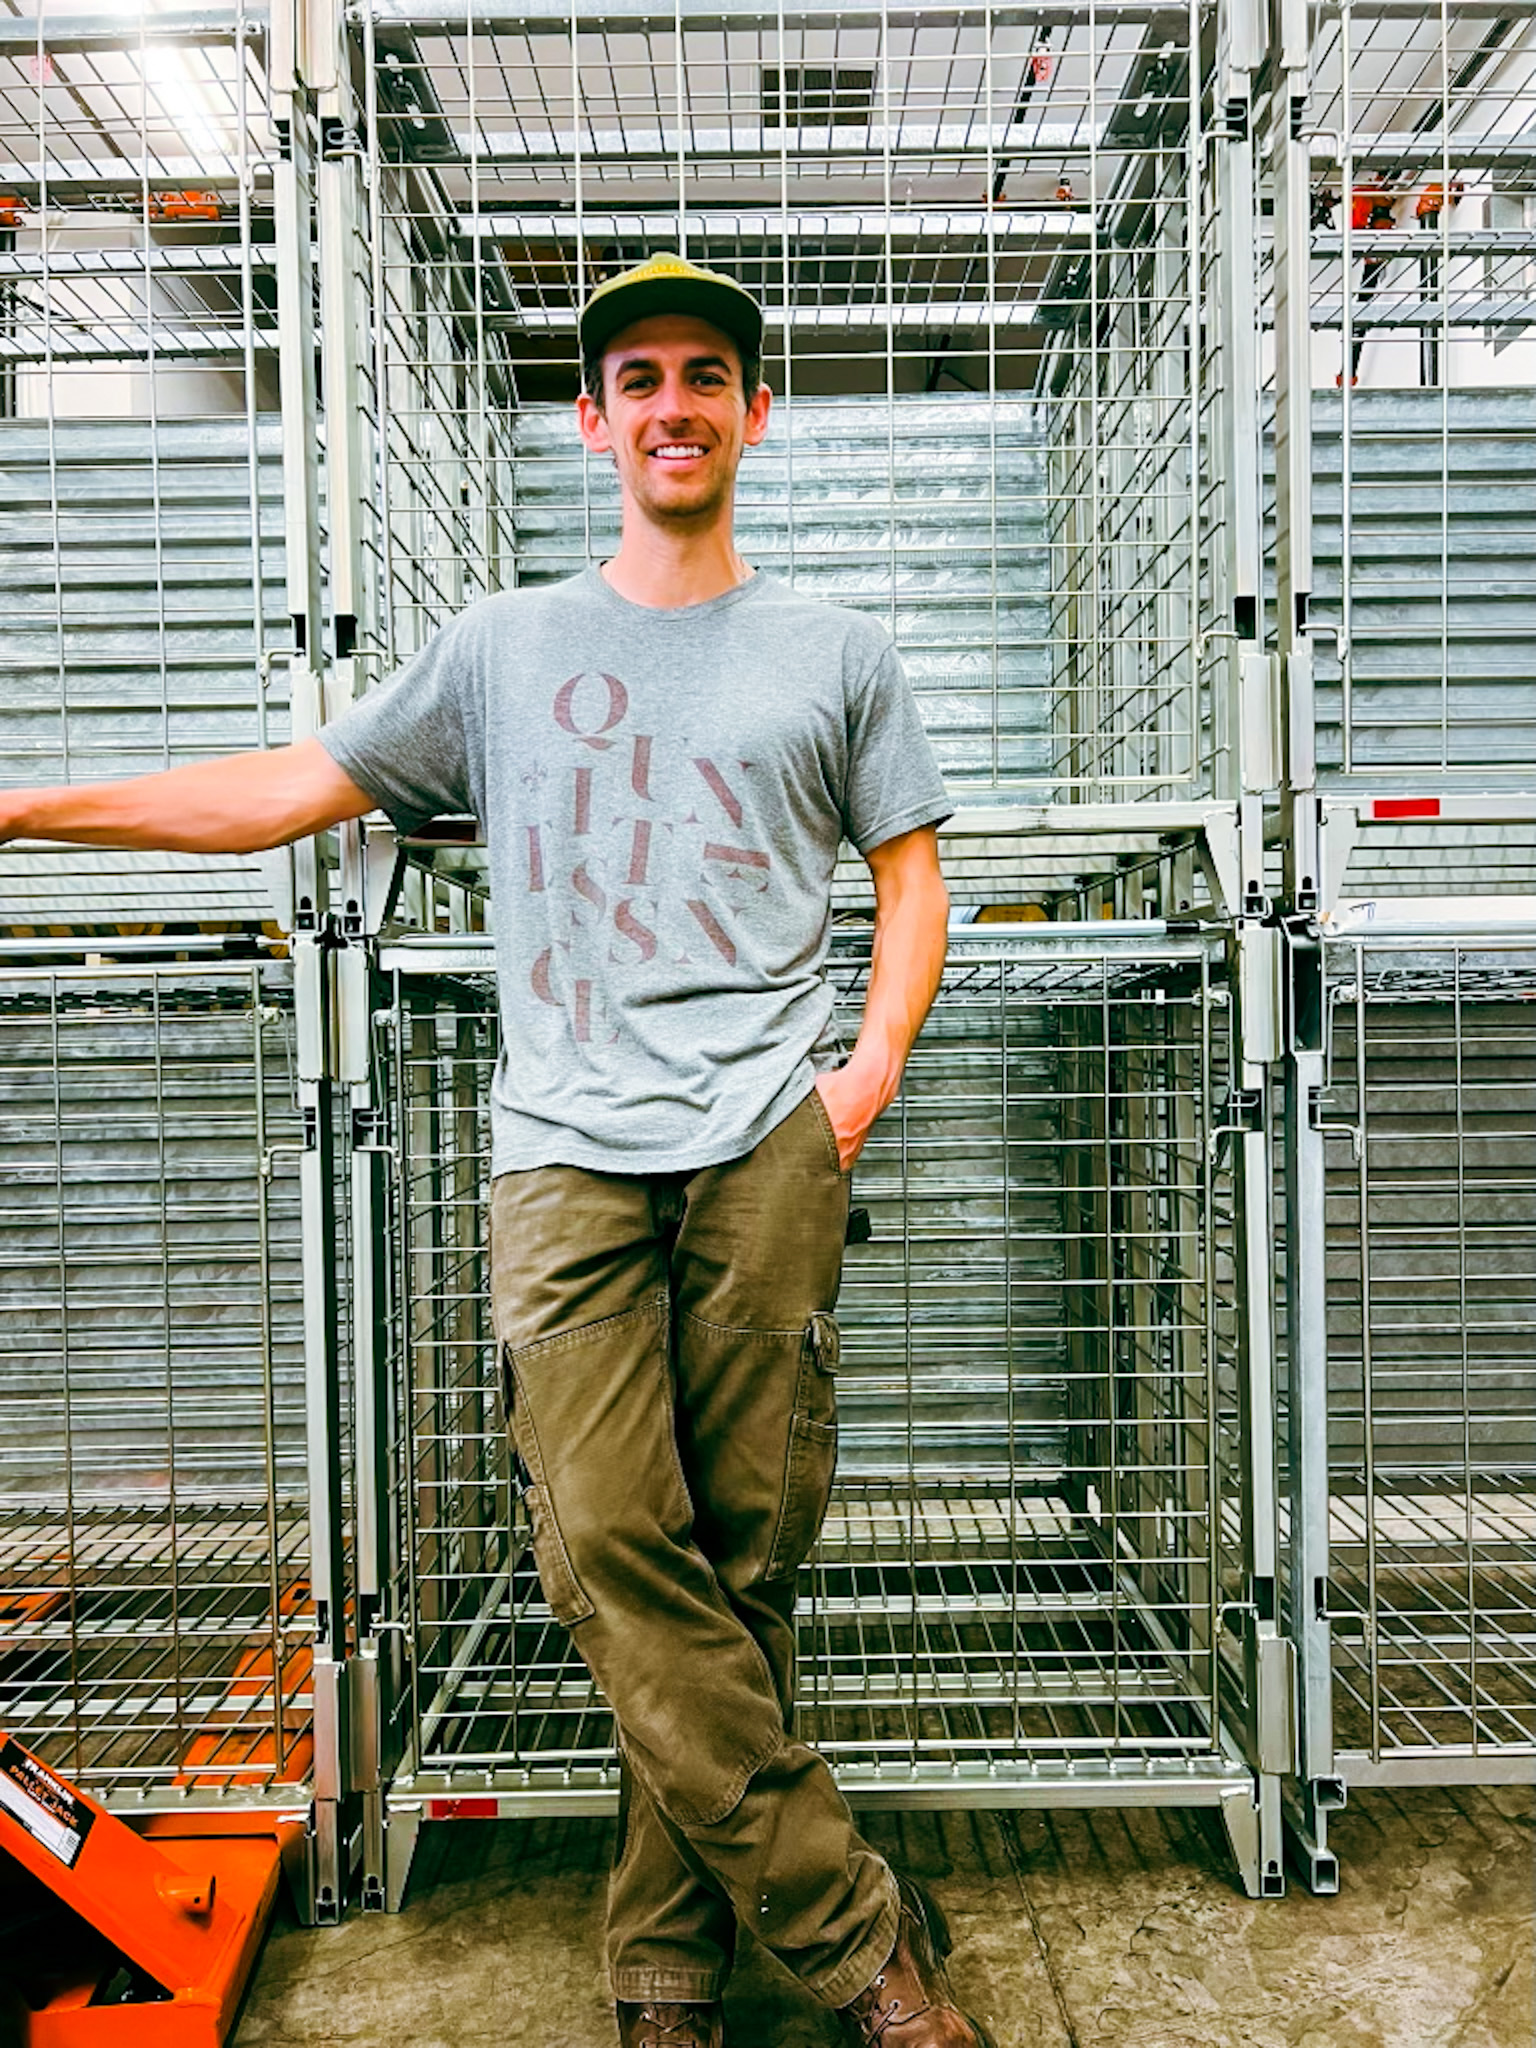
(676, 448)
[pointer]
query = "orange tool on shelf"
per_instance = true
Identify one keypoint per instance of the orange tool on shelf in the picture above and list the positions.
(188, 205)
(173, 1916)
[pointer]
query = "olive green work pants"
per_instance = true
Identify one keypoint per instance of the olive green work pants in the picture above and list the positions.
(668, 1351)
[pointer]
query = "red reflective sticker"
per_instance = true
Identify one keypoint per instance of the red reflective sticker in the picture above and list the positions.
(1405, 807)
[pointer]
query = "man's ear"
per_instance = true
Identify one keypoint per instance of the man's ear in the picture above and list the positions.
(593, 425)
(755, 426)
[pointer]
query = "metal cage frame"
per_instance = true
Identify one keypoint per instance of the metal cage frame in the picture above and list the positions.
(1079, 1398)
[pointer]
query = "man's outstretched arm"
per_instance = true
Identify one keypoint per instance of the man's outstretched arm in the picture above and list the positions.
(911, 941)
(241, 804)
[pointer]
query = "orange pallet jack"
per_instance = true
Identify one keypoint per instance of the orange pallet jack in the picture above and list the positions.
(117, 1936)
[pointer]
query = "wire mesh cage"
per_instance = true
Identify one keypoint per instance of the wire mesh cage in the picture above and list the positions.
(1043, 1484)
(142, 515)
(153, 1473)
(1431, 1305)
(1420, 279)
(977, 244)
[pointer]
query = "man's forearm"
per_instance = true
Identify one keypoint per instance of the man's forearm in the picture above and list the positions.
(910, 944)
(241, 804)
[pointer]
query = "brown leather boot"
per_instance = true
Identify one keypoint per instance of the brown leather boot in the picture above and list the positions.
(910, 2004)
(691, 2024)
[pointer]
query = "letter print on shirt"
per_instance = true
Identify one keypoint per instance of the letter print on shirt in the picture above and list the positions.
(641, 846)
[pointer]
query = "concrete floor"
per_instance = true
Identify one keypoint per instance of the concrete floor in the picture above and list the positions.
(1073, 1930)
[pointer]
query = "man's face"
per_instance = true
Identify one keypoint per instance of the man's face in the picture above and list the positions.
(674, 417)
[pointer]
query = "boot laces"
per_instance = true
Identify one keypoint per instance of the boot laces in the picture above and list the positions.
(877, 2019)
(672, 2026)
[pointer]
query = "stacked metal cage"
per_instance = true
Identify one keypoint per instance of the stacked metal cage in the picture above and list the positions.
(1185, 1445)
(169, 1442)
(1405, 226)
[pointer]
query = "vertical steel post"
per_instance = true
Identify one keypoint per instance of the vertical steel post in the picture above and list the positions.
(322, 1402)
(1307, 1620)
(1268, 1658)
(342, 205)
(1302, 1072)
(294, 104)
(1290, 172)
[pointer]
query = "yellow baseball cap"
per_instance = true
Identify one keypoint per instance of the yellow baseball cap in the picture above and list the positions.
(669, 284)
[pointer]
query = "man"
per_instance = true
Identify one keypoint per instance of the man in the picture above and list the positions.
(665, 754)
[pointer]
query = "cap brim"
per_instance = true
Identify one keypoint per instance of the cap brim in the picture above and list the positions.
(722, 305)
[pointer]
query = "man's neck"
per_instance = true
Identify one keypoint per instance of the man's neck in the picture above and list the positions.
(667, 571)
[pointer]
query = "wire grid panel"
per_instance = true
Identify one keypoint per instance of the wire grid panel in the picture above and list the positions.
(1431, 1297)
(1422, 294)
(982, 229)
(1039, 1507)
(142, 518)
(153, 1525)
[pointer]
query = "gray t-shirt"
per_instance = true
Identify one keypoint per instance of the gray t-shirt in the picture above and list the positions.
(663, 795)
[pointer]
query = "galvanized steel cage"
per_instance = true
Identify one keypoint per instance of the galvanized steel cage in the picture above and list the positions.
(157, 1603)
(977, 243)
(1412, 1296)
(1023, 1586)
(1432, 1386)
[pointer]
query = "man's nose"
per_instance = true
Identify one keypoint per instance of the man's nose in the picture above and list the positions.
(676, 400)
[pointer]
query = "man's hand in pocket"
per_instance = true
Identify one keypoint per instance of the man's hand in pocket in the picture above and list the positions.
(852, 1106)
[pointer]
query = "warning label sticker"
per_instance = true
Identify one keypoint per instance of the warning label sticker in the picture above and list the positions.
(45, 1806)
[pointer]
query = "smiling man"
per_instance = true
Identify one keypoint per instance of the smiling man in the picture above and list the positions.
(665, 753)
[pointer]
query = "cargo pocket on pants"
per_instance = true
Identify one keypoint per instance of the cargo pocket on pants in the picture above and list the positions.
(812, 1456)
(557, 1576)
(567, 1602)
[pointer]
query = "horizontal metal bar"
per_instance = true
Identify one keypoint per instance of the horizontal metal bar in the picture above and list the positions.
(76, 175)
(1474, 808)
(1368, 242)
(749, 142)
(1438, 1767)
(86, 954)
(1083, 1783)
(1393, 308)
(64, 343)
(193, 261)
(924, 314)
(20, 34)
(1133, 826)
(1417, 11)
(1404, 150)
(1092, 939)
(1510, 920)
(554, 16)
(858, 223)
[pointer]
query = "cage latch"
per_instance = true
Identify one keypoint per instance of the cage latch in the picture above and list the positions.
(368, 1128)
(1244, 1115)
(309, 1143)
(1317, 1120)
(1348, 1620)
